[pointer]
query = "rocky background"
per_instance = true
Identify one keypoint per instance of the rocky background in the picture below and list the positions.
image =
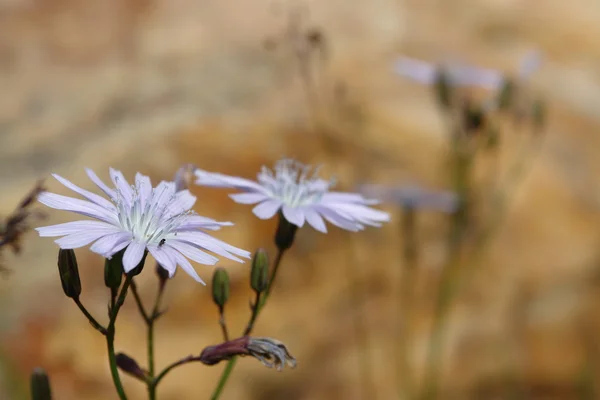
(147, 85)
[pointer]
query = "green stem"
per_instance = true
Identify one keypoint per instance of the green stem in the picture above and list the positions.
(258, 306)
(151, 384)
(90, 318)
(110, 339)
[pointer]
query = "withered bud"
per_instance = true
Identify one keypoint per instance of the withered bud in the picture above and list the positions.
(286, 232)
(184, 177)
(40, 385)
(220, 287)
(270, 352)
(259, 271)
(69, 273)
(113, 270)
(443, 88)
(131, 367)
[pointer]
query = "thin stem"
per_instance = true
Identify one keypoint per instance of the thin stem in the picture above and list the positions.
(151, 384)
(138, 301)
(255, 311)
(110, 339)
(223, 325)
(90, 318)
(260, 303)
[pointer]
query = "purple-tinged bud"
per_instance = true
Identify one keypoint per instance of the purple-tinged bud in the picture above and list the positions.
(259, 278)
(220, 287)
(69, 273)
(131, 367)
(40, 385)
(162, 274)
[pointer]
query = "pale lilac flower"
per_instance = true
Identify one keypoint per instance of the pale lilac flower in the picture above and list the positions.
(413, 196)
(300, 195)
(139, 218)
(463, 75)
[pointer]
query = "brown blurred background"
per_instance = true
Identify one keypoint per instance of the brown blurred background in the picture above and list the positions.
(147, 85)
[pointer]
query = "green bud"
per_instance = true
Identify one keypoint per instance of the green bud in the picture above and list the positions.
(506, 95)
(259, 271)
(69, 273)
(443, 88)
(286, 232)
(113, 270)
(220, 287)
(138, 269)
(40, 385)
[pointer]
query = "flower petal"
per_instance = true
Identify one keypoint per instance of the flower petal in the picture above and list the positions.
(193, 222)
(267, 208)
(110, 244)
(183, 201)
(93, 197)
(191, 252)
(69, 228)
(143, 186)
(248, 198)
(80, 239)
(162, 256)
(417, 70)
(186, 266)
(108, 191)
(122, 185)
(78, 206)
(339, 220)
(213, 179)
(361, 213)
(342, 197)
(315, 220)
(133, 255)
(293, 215)
(203, 241)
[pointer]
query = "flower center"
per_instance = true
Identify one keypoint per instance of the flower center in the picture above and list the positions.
(294, 183)
(148, 217)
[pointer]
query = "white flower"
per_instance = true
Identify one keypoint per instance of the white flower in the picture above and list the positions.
(138, 218)
(301, 197)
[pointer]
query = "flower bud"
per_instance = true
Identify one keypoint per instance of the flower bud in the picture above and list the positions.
(130, 366)
(113, 270)
(286, 232)
(69, 273)
(220, 287)
(40, 385)
(162, 273)
(443, 88)
(259, 271)
(138, 269)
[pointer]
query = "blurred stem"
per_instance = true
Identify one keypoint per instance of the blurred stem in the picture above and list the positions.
(461, 167)
(110, 338)
(258, 306)
(405, 297)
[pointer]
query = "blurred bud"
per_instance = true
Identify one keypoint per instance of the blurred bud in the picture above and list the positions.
(538, 114)
(220, 287)
(506, 95)
(69, 273)
(443, 88)
(474, 118)
(113, 270)
(271, 352)
(184, 177)
(40, 385)
(286, 232)
(130, 366)
(259, 271)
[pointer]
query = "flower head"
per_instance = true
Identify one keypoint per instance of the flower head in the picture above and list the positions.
(296, 190)
(139, 218)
